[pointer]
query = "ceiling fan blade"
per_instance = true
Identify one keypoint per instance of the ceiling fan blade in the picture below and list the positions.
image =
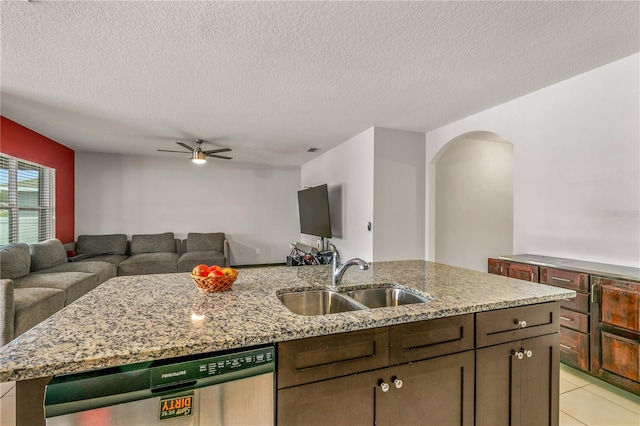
(218, 156)
(178, 152)
(214, 151)
(185, 145)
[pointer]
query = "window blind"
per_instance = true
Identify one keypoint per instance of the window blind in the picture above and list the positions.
(27, 201)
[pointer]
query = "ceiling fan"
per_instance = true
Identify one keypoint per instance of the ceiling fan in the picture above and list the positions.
(199, 156)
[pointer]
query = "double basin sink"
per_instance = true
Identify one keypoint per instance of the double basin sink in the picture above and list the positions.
(323, 302)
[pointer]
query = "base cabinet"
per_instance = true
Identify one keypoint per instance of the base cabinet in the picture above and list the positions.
(518, 383)
(437, 391)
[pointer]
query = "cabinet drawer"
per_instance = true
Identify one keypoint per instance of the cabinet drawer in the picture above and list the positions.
(428, 339)
(619, 303)
(579, 303)
(319, 358)
(574, 348)
(567, 279)
(522, 271)
(621, 356)
(506, 325)
(574, 320)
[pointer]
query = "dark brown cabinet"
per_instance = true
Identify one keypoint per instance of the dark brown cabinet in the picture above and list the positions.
(520, 271)
(436, 391)
(517, 366)
(416, 373)
(518, 383)
(617, 352)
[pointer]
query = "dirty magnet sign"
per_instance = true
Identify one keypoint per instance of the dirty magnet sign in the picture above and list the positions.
(176, 407)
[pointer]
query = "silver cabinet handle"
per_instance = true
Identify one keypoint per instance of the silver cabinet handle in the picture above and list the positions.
(396, 382)
(384, 386)
(565, 346)
(561, 279)
(593, 292)
(566, 319)
(522, 323)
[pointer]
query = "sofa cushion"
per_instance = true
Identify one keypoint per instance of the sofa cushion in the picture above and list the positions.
(190, 260)
(115, 259)
(104, 270)
(15, 261)
(34, 305)
(149, 263)
(74, 284)
(47, 254)
(102, 244)
(153, 243)
(203, 242)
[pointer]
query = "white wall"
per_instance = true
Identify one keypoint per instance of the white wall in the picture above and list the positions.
(255, 206)
(348, 171)
(474, 202)
(576, 165)
(399, 203)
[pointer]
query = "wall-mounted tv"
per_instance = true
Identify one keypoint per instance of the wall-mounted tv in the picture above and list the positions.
(313, 206)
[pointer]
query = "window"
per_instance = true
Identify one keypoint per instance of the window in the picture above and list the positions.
(27, 201)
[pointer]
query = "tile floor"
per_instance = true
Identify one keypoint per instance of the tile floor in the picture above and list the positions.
(584, 400)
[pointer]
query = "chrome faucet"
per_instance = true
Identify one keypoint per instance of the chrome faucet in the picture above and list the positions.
(338, 270)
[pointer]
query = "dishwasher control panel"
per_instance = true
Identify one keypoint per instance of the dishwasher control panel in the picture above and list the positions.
(261, 360)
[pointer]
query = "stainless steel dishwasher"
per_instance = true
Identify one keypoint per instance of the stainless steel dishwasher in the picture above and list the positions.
(234, 388)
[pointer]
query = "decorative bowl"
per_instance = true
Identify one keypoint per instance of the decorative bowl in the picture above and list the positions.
(215, 284)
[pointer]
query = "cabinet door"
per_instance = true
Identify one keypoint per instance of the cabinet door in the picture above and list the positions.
(496, 266)
(522, 271)
(347, 401)
(620, 304)
(437, 391)
(517, 383)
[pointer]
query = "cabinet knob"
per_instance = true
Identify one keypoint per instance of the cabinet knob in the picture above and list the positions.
(396, 382)
(519, 354)
(384, 386)
(522, 323)
(529, 354)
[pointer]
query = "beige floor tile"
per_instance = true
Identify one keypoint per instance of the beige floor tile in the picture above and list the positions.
(8, 411)
(566, 386)
(615, 394)
(594, 410)
(567, 420)
(7, 388)
(576, 377)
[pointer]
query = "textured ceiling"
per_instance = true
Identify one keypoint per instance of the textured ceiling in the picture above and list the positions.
(270, 79)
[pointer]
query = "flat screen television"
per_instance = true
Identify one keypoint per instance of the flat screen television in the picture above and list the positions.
(313, 206)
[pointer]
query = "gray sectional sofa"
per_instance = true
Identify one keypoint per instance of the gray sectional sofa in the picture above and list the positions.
(37, 280)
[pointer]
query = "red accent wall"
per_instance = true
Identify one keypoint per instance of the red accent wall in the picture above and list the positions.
(20, 142)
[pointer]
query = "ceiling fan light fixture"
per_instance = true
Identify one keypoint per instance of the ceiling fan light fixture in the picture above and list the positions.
(198, 156)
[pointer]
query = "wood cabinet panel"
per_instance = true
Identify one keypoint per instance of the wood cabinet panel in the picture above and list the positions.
(621, 356)
(344, 401)
(574, 320)
(574, 348)
(579, 303)
(428, 339)
(497, 266)
(513, 390)
(319, 358)
(522, 271)
(510, 324)
(567, 279)
(620, 304)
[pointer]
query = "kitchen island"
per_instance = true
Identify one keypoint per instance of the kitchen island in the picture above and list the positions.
(134, 319)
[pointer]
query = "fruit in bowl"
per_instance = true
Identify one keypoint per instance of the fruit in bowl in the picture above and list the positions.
(213, 278)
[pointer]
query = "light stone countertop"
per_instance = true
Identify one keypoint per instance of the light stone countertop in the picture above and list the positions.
(140, 318)
(593, 268)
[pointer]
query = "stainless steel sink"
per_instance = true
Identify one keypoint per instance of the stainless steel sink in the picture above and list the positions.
(318, 302)
(383, 297)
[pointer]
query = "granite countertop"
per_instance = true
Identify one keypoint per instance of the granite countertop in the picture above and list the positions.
(593, 268)
(140, 318)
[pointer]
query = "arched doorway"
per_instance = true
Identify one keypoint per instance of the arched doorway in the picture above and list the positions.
(473, 200)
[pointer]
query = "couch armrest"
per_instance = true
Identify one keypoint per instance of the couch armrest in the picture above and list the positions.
(225, 250)
(70, 246)
(7, 312)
